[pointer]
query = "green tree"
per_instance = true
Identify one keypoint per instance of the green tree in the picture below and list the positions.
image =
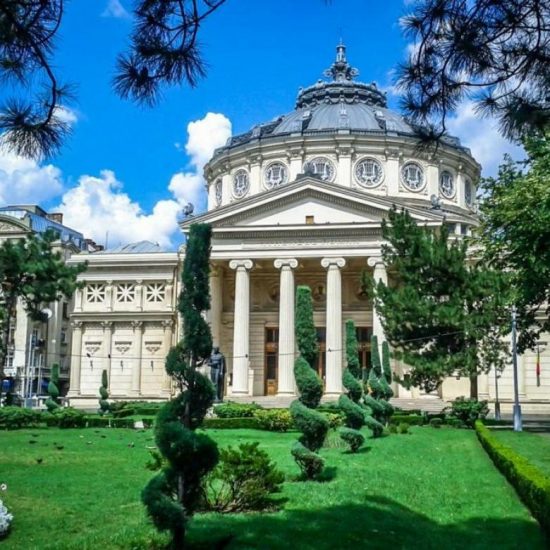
(446, 314)
(494, 52)
(33, 272)
(515, 232)
(104, 405)
(306, 334)
(173, 495)
(52, 402)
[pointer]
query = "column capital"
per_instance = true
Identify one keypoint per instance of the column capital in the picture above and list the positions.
(215, 270)
(107, 325)
(328, 262)
(373, 261)
(137, 324)
(279, 263)
(76, 325)
(245, 264)
(167, 323)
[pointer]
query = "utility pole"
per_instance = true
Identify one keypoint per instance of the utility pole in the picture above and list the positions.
(518, 427)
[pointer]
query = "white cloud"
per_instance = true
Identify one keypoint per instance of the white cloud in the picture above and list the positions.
(66, 115)
(24, 181)
(482, 136)
(204, 136)
(99, 204)
(115, 9)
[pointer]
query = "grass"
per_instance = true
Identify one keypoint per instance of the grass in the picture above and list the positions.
(430, 489)
(534, 447)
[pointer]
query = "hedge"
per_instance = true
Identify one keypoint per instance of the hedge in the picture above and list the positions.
(531, 484)
(231, 423)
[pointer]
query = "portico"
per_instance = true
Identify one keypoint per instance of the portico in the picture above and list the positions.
(258, 263)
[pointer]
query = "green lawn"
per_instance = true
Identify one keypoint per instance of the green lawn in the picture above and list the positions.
(534, 447)
(431, 489)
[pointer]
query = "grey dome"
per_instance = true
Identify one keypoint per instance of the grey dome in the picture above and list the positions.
(340, 104)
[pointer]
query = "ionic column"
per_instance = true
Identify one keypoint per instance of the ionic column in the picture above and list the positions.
(334, 351)
(241, 325)
(136, 373)
(216, 304)
(76, 357)
(286, 326)
(380, 274)
(167, 325)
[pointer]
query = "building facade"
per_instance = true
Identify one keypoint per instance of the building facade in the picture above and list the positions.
(34, 346)
(297, 200)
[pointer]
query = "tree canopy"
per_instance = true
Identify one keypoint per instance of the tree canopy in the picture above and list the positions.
(495, 52)
(33, 272)
(445, 314)
(515, 232)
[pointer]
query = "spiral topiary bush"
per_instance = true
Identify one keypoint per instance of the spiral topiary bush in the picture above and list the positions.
(353, 438)
(104, 405)
(174, 494)
(309, 384)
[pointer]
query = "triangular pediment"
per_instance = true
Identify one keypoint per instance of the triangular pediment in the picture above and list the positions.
(304, 202)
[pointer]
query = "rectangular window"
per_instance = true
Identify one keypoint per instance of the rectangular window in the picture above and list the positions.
(310, 220)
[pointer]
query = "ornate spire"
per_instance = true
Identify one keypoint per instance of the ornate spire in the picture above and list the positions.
(341, 70)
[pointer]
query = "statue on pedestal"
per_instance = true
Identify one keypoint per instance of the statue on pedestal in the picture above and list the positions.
(217, 372)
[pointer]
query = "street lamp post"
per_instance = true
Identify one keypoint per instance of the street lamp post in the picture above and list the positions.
(497, 402)
(518, 427)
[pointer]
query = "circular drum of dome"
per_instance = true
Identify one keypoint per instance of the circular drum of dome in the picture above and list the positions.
(369, 173)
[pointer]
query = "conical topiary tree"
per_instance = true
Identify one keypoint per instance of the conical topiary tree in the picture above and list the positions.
(52, 402)
(313, 425)
(377, 389)
(173, 495)
(306, 334)
(352, 349)
(104, 405)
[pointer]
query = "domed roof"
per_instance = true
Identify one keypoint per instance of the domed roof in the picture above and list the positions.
(340, 103)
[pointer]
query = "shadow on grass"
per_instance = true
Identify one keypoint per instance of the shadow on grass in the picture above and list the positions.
(361, 451)
(328, 474)
(379, 523)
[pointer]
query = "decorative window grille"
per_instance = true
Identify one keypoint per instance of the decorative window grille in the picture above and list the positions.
(218, 192)
(95, 293)
(369, 172)
(323, 168)
(126, 293)
(447, 184)
(241, 183)
(276, 174)
(155, 293)
(412, 176)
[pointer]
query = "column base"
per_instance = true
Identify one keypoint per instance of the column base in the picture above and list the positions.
(286, 394)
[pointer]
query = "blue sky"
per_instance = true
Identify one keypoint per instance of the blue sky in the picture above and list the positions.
(126, 168)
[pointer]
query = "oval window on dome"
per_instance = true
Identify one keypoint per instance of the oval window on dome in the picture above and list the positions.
(447, 184)
(218, 192)
(469, 192)
(241, 183)
(276, 174)
(369, 172)
(412, 176)
(323, 168)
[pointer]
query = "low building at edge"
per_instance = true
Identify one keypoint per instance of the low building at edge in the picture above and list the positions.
(295, 201)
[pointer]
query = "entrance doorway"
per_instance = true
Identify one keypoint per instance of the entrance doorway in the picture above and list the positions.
(364, 335)
(271, 361)
(321, 366)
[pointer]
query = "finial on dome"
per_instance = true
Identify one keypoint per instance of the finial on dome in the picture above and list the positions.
(341, 70)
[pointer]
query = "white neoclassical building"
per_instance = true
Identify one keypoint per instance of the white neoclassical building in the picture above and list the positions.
(297, 200)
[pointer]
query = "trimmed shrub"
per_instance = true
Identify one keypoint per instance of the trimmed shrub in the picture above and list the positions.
(122, 422)
(236, 410)
(123, 413)
(353, 438)
(68, 417)
(355, 391)
(306, 333)
(531, 484)
(95, 421)
(375, 406)
(104, 406)
(52, 402)
(309, 384)
(373, 383)
(374, 426)
(15, 418)
(354, 413)
(313, 425)
(352, 350)
(231, 423)
(403, 428)
(274, 420)
(243, 480)
(436, 422)
(468, 410)
(376, 365)
(335, 420)
(410, 419)
(310, 463)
